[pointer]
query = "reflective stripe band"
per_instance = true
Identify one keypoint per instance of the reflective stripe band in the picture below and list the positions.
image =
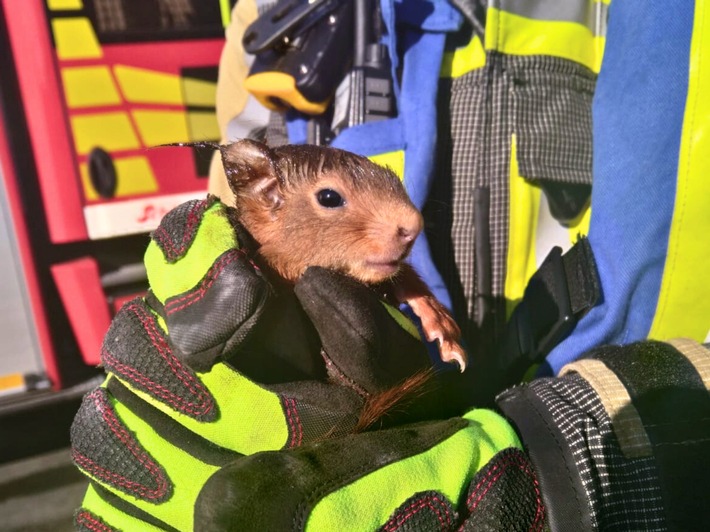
(394, 160)
(683, 307)
(514, 34)
(463, 60)
(626, 422)
(592, 15)
(523, 226)
(698, 355)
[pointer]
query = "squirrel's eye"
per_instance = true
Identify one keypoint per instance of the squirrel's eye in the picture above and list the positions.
(329, 198)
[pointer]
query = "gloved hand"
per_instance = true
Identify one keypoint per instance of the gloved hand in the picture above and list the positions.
(464, 473)
(215, 364)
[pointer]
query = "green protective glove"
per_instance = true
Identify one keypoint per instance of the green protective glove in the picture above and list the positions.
(214, 364)
(467, 472)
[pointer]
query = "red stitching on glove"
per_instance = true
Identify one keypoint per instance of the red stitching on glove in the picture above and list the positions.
(89, 521)
(122, 434)
(294, 422)
(203, 403)
(199, 292)
(192, 220)
(415, 507)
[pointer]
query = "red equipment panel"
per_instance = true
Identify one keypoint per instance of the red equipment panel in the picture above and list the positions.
(103, 82)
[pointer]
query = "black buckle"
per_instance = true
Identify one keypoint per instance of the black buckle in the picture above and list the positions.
(548, 311)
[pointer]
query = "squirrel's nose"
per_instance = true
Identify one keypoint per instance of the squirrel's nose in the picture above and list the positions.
(408, 231)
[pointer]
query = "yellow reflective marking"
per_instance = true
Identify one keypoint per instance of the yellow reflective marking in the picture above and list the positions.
(140, 85)
(56, 5)
(394, 160)
(89, 87)
(580, 226)
(134, 176)
(202, 125)
(110, 131)
(684, 301)
(521, 262)
(462, 60)
(161, 127)
(75, 39)
(516, 35)
(199, 92)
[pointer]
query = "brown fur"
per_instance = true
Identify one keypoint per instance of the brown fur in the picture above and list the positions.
(367, 237)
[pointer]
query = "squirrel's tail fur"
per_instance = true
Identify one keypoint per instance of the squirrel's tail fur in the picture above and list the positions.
(411, 400)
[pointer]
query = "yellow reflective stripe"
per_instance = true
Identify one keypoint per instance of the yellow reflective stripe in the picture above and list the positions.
(521, 262)
(110, 131)
(75, 39)
(589, 13)
(251, 417)
(463, 60)
(394, 160)
(516, 35)
(112, 516)
(89, 87)
(684, 301)
(580, 225)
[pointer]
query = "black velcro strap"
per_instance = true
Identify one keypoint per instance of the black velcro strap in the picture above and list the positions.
(105, 449)
(582, 278)
(565, 499)
(563, 289)
(674, 406)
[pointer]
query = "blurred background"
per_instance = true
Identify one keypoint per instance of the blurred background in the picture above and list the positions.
(85, 87)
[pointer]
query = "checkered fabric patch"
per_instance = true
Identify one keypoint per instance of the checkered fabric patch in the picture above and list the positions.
(546, 102)
(625, 493)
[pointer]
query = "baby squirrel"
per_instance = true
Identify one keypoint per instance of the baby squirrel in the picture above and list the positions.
(310, 205)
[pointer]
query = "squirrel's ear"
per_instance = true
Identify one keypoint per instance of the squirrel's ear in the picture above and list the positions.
(251, 170)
